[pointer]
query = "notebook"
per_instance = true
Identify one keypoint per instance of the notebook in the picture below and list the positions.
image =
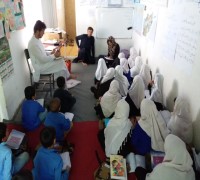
(69, 116)
(66, 160)
(15, 139)
(72, 83)
(156, 158)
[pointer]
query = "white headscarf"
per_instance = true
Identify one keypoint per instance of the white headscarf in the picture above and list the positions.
(117, 129)
(124, 64)
(135, 70)
(145, 74)
(136, 91)
(133, 52)
(156, 94)
(110, 99)
(121, 55)
(177, 164)
(101, 69)
(153, 124)
(180, 123)
(131, 62)
(110, 73)
(122, 80)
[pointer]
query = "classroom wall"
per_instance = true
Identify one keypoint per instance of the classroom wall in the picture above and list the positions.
(13, 88)
(177, 82)
(86, 16)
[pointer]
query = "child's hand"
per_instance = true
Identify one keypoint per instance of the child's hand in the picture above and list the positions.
(68, 168)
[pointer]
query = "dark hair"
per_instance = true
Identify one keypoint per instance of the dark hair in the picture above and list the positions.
(47, 136)
(23, 175)
(54, 105)
(61, 82)
(90, 28)
(39, 26)
(2, 131)
(29, 92)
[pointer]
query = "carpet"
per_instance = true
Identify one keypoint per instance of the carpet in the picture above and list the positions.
(84, 162)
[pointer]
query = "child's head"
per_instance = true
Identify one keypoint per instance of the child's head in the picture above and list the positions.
(61, 82)
(29, 92)
(48, 136)
(114, 163)
(2, 131)
(54, 105)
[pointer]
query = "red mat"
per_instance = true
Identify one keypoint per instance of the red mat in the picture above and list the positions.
(83, 159)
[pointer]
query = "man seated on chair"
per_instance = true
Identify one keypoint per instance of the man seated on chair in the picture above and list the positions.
(45, 63)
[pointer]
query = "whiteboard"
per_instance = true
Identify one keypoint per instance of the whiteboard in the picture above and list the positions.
(114, 22)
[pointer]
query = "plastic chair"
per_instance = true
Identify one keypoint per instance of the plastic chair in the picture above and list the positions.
(44, 78)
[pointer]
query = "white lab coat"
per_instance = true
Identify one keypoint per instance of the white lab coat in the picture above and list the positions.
(44, 63)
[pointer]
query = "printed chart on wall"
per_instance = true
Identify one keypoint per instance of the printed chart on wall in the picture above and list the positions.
(11, 16)
(6, 64)
(150, 23)
(181, 35)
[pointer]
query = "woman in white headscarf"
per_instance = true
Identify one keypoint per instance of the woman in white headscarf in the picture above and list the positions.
(151, 130)
(122, 80)
(117, 133)
(180, 123)
(126, 71)
(135, 96)
(104, 83)
(156, 94)
(133, 52)
(145, 73)
(101, 70)
(109, 101)
(177, 163)
(135, 70)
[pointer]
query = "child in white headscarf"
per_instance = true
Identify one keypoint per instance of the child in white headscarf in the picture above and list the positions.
(145, 73)
(109, 101)
(180, 123)
(117, 133)
(135, 96)
(151, 130)
(156, 94)
(104, 83)
(101, 70)
(122, 80)
(135, 70)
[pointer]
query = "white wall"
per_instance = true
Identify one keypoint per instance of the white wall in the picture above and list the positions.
(176, 81)
(14, 87)
(85, 16)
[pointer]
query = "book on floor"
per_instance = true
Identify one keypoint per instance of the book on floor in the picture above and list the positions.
(72, 83)
(156, 158)
(118, 167)
(15, 139)
(135, 160)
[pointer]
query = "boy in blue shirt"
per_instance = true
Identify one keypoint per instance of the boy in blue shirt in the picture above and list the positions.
(32, 112)
(48, 163)
(9, 165)
(57, 120)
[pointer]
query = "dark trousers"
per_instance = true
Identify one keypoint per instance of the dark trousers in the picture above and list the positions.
(85, 55)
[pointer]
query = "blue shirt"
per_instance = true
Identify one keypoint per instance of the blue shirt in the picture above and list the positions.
(48, 165)
(140, 141)
(58, 121)
(30, 114)
(5, 162)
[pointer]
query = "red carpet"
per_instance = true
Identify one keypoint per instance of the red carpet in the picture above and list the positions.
(83, 159)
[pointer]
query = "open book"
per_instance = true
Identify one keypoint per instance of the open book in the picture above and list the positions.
(135, 161)
(41, 101)
(72, 83)
(118, 167)
(66, 160)
(156, 158)
(15, 139)
(69, 116)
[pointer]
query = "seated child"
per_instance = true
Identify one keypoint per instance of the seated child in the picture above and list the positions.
(67, 100)
(57, 120)
(32, 112)
(9, 165)
(48, 163)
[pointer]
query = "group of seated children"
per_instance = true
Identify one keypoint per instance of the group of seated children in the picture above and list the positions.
(137, 122)
(52, 127)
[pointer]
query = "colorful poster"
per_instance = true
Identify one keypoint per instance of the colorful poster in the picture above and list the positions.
(6, 64)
